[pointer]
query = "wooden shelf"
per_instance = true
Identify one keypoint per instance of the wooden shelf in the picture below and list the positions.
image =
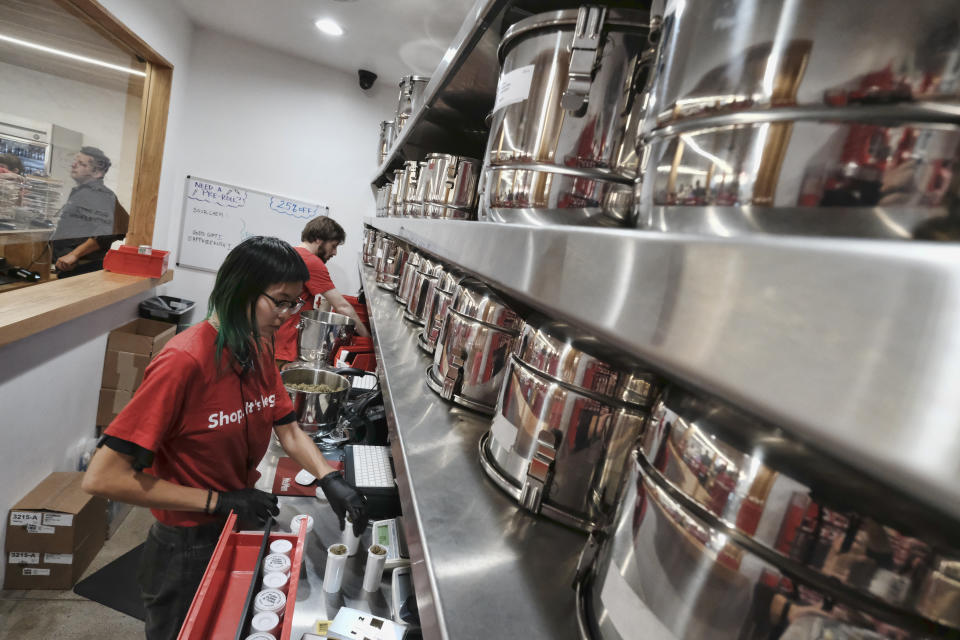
(31, 310)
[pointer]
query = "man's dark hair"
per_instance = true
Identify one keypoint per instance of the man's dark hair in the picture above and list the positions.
(12, 162)
(323, 229)
(248, 270)
(100, 160)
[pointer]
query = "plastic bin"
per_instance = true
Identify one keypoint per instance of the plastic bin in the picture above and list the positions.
(168, 309)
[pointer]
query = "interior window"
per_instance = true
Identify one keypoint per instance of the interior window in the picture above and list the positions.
(70, 117)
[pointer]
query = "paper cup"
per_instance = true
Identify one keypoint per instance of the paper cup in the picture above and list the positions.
(376, 559)
(336, 562)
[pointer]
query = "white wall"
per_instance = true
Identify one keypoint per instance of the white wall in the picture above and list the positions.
(49, 382)
(267, 121)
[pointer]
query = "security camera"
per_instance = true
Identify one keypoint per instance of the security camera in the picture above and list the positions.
(367, 78)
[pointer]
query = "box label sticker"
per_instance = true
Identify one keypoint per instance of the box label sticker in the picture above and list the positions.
(513, 87)
(33, 571)
(23, 518)
(23, 557)
(58, 558)
(39, 528)
(58, 519)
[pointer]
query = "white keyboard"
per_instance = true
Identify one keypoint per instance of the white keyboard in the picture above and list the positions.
(371, 466)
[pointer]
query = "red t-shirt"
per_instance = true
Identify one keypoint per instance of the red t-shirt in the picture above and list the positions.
(285, 339)
(206, 428)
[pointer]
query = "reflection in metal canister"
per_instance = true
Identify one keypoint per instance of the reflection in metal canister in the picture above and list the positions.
(425, 278)
(407, 276)
(370, 237)
(391, 256)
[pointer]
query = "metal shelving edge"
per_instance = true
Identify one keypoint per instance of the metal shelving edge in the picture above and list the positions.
(851, 345)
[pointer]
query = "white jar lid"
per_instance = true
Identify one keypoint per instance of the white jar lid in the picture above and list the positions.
(295, 522)
(275, 580)
(281, 546)
(267, 621)
(276, 562)
(270, 600)
(262, 635)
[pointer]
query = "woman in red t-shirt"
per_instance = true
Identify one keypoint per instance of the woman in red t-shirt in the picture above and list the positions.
(187, 445)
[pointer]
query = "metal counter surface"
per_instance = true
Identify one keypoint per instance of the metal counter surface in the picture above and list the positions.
(481, 567)
(313, 603)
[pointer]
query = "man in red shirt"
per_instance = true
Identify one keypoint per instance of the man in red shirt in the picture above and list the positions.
(319, 242)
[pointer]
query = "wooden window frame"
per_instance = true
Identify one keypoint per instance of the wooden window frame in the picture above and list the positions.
(29, 310)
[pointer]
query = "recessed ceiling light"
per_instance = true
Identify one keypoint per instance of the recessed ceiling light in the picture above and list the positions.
(329, 27)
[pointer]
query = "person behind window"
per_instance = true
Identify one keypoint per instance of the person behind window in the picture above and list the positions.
(320, 239)
(90, 220)
(11, 185)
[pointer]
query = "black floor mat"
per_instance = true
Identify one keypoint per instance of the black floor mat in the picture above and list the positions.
(115, 585)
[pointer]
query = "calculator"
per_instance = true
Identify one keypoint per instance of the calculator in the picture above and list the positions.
(389, 535)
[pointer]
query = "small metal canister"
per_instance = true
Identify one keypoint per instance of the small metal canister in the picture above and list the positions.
(439, 300)
(427, 274)
(407, 276)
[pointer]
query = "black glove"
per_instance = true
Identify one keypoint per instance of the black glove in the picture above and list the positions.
(345, 499)
(250, 505)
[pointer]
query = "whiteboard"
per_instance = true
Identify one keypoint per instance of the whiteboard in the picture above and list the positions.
(218, 216)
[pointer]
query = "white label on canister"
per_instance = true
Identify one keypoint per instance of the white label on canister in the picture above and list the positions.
(276, 562)
(58, 519)
(503, 431)
(626, 609)
(39, 528)
(58, 558)
(33, 571)
(23, 518)
(513, 87)
(23, 557)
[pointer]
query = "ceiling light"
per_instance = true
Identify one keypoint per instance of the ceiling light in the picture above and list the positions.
(329, 27)
(72, 56)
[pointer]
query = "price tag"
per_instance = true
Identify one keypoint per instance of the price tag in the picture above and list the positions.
(39, 528)
(58, 558)
(23, 557)
(23, 518)
(58, 519)
(513, 87)
(31, 571)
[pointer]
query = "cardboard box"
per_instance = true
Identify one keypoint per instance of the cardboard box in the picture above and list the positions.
(123, 370)
(142, 336)
(112, 401)
(53, 533)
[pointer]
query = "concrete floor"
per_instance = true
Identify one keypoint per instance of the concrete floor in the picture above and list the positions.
(42, 614)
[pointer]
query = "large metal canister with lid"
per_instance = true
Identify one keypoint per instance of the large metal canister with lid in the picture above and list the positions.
(439, 300)
(452, 191)
(410, 100)
(423, 282)
(391, 255)
(407, 276)
(370, 236)
(728, 528)
(562, 143)
(395, 195)
(473, 347)
(387, 132)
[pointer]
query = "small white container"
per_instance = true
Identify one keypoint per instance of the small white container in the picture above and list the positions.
(276, 580)
(298, 519)
(282, 545)
(376, 559)
(347, 538)
(276, 562)
(270, 600)
(261, 635)
(333, 572)
(266, 622)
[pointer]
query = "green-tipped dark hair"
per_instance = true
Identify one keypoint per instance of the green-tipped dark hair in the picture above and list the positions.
(249, 269)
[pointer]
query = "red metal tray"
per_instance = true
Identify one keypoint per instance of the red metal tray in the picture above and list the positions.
(218, 603)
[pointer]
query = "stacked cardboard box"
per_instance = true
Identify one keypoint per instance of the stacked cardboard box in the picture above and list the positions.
(53, 534)
(129, 349)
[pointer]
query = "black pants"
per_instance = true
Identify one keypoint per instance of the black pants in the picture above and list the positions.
(171, 568)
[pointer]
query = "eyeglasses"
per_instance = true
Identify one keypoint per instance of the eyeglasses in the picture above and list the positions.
(286, 306)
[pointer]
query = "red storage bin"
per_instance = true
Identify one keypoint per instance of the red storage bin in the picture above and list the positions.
(218, 603)
(358, 354)
(130, 261)
(361, 310)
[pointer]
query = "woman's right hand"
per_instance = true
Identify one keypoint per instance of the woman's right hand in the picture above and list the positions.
(249, 504)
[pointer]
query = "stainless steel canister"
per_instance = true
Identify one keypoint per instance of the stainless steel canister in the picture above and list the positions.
(369, 246)
(717, 57)
(562, 145)
(473, 347)
(407, 277)
(387, 132)
(423, 281)
(439, 300)
(317, 411)
(390, 258)
(566, 417)
(453, 185)
(419, 201)
(320, 334)
(861, 171)
(395, 199)
(406, 191)
(411, 96)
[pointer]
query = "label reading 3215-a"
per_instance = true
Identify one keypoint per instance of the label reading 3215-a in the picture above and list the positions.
(23, 557)
(23, 518)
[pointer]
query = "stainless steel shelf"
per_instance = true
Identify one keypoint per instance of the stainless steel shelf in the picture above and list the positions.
(481, 568)
(851, 345)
